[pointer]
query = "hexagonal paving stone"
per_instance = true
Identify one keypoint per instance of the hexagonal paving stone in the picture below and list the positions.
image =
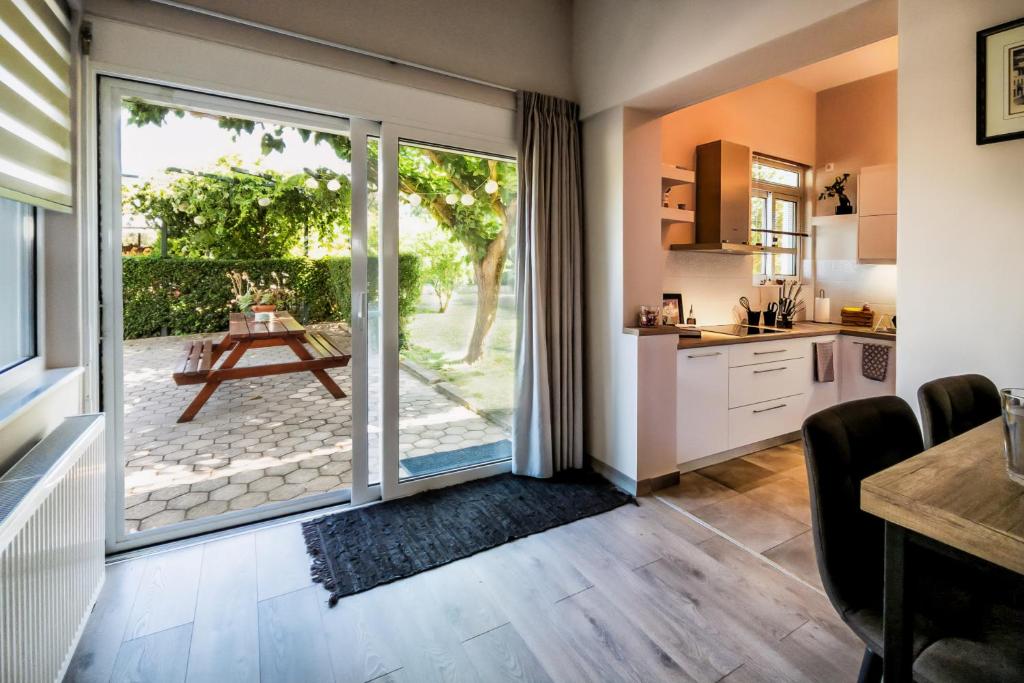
(169, 492)
(228, 491)
(248, 500)
(266, 483)
(323, 483)
(287, 492)
(246, 477)
(162, 519)
(300, 476)
(143, 510)
(281, 470)
(187, 501)
(207, 509)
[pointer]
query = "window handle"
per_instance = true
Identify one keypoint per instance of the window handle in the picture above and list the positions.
(765, 410)
(758, 372)
(704, 355)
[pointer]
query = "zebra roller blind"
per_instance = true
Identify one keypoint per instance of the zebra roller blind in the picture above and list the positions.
(35, 103)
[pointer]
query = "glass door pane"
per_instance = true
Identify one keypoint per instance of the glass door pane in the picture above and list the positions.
(233, 363)
(457, 324)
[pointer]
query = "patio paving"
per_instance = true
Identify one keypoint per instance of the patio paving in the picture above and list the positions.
(259, 440)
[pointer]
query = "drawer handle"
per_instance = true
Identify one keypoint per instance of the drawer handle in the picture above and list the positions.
(763, 353)
(705, 355)
(765, 410)
(758, 372)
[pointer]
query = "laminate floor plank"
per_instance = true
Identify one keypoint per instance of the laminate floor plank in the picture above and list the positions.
(167, 593)
(356, 633)
(93, 661)
(501, 654)
(225, 633)
(460, 596)
(160, 657)
(797, 555)
(293, 645)
(282, 564)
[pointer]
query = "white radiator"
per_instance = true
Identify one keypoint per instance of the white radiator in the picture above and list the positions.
(51, 550)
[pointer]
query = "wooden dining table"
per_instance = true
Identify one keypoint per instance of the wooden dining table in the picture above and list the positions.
(957, 493)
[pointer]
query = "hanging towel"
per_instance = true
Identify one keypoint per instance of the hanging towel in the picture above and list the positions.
(874, 361)
(824, 362)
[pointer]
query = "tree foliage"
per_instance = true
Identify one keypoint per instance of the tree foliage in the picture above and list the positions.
(232, 214)
(443, 264)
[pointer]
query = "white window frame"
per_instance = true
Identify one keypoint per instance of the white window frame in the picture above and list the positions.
(771, 191)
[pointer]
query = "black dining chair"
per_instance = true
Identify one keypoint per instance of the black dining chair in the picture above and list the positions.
(953, 405)
(843, 445)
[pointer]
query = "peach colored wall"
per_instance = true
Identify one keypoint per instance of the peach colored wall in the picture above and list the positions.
(774, 117)
(856, 127)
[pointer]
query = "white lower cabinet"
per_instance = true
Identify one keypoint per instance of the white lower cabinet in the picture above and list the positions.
(854, 384)
(702, 402)
(736, 395)
(761, 421)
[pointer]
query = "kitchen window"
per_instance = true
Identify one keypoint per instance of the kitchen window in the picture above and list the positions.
(17, 282)
(775, 199)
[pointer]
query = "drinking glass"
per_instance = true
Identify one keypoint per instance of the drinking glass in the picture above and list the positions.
(1013, 432)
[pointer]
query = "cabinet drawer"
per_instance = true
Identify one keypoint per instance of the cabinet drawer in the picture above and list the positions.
(764, 352)
(762, 382)
(765, 420)
(702, 403)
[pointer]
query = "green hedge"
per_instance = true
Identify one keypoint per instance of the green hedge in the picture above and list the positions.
(188, 296)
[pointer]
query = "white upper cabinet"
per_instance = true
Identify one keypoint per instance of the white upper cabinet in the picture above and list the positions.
(876, 230)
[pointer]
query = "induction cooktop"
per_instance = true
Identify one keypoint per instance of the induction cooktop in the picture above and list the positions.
(740, 330)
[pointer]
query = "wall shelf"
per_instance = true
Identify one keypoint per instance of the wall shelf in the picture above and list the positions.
(838, 219)
(672, 175)
(676, 215)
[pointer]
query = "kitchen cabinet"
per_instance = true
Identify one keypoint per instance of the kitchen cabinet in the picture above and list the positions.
(853, 384)
(702, 402)
(729, 397)
(876, 228)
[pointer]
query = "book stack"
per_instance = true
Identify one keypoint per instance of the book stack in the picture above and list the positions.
(857, 316)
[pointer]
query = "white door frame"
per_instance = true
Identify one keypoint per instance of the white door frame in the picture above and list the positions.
(111, 90)
(391, 136)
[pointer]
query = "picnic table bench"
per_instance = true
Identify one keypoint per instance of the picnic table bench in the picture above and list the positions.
(244, 333)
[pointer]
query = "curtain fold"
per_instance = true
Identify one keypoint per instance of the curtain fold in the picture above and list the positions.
(547, 430)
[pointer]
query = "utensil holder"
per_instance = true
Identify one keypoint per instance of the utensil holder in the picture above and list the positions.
(785, 322)
(754, 318)
(769, 318)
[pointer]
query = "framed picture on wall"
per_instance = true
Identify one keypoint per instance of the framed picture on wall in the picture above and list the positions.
(1001, 82)
(671, 308)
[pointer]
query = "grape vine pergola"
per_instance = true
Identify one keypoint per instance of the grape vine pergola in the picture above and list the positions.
(472, 198)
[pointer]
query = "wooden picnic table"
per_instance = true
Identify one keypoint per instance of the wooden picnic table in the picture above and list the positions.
(244, 333)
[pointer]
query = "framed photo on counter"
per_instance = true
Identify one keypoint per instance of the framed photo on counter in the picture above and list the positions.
(1001, 83)
(671, 308)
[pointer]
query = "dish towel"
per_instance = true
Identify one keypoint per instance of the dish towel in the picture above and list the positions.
(824, 362)
(874, 361)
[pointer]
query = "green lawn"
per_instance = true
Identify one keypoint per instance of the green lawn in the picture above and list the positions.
(438, 341)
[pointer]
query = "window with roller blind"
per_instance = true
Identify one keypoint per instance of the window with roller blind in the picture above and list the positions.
(35, 157)
(35, 103)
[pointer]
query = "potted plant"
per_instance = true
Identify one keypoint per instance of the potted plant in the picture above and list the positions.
(257, 297)
(838, 189)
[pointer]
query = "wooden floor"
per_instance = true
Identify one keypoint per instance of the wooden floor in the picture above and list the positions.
(642, 593)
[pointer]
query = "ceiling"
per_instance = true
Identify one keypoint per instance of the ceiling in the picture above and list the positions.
(870, 60)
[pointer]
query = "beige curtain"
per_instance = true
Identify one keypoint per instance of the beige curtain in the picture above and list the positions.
(548, 425)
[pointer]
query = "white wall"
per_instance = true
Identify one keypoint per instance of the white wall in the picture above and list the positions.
(664, 55)
(961, 206)
(523, 44)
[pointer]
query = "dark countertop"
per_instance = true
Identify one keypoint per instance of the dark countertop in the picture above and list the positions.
(800, 329)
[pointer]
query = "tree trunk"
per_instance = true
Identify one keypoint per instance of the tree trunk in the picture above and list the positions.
(488, 288)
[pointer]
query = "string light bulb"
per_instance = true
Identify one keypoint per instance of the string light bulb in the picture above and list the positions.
(311, 183)
(415, 199)
(468, 200)
(491, 186)
(198, 220)
(450, 200)
(333, 185)
(263, 201)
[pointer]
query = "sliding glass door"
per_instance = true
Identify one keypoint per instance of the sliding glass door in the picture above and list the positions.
(236, 346)
(449, 310)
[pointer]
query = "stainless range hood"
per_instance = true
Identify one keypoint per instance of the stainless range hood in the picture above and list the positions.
(722, 221)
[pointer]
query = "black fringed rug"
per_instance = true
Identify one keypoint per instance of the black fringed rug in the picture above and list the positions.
(354, 551)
